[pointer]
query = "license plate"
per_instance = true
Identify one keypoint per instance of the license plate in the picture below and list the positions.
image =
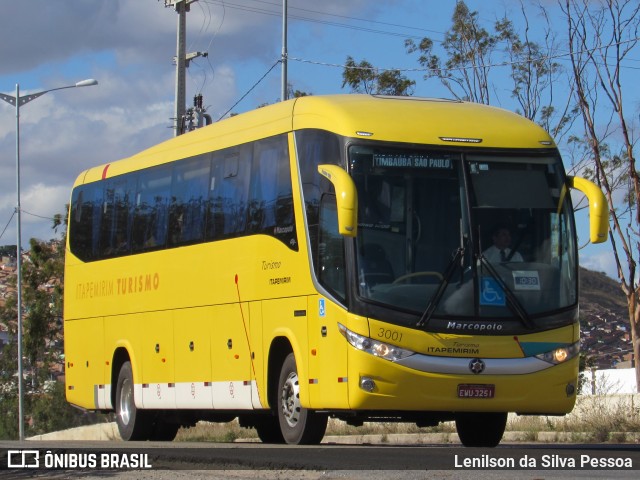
(476, 391)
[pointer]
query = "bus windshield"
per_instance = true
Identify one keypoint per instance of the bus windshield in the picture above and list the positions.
(447, 235)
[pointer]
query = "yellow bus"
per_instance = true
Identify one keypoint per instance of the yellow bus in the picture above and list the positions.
(329, 256)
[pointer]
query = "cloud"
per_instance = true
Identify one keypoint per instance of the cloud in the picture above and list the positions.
(600, 261)
(128, 46)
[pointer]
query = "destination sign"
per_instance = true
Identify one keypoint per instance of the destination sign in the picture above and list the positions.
(388, 160)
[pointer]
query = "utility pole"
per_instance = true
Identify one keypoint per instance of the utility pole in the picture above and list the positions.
(182, 62)
(196, 117)
(284, 51)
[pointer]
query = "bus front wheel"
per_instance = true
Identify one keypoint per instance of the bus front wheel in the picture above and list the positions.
(481, 429)
(132, 423)
(299, 426)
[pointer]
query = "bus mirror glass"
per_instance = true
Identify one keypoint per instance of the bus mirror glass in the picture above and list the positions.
(346, 198)
(598, 208)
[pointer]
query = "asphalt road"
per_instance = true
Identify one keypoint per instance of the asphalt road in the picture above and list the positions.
(175, 461)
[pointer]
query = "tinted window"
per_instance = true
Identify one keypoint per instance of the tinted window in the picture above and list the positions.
(233, 192)
(115, 225)
(228, 190)
(151, 209)
(271, 202)
(85, 219)
(315, 147)
(189, 195)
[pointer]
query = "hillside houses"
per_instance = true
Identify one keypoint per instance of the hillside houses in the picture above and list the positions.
(7, 271)
(8, 291)
(605, 337)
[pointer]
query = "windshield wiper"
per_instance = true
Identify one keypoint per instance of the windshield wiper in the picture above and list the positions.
(437, 296)
(512, 301)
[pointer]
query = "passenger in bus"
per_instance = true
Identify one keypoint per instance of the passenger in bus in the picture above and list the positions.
(500, 251)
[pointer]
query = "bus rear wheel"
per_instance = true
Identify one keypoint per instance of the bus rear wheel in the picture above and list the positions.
(133, 424)
(481, 429)
(299, 426)
(163, 431)
(268, 429)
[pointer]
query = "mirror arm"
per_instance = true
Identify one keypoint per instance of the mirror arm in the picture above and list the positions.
(598, 208)
(346, 198)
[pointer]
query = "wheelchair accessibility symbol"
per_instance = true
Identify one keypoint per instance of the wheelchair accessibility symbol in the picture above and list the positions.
(491, 294)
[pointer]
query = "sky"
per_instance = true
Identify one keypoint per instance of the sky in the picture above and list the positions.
(129, 45)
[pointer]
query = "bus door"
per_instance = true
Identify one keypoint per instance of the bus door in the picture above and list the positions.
(328, 350)
(328, 354)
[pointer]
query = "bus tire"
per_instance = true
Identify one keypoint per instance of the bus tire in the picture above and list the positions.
(164, 431)
(299, 426)
(133, 424)
(268, 429)
(481, 429)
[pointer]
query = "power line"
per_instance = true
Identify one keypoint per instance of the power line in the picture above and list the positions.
(357, 67)
(7, 225)
(37, 216)
(250, 90)
(353, 18)
(470, 67)
(313, 20)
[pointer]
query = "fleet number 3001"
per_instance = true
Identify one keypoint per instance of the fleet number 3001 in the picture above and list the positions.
(392, 335)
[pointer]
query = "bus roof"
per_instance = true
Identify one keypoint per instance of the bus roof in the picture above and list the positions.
(399, 119)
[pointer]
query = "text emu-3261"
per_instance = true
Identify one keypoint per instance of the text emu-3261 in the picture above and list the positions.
(476, 390)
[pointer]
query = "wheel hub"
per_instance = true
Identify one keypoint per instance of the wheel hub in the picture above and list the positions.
(126, 398)
(290, 397)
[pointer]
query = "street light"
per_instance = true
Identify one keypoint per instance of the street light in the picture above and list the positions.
(18, 101)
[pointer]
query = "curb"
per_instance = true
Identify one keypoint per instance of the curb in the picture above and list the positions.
(109, 432)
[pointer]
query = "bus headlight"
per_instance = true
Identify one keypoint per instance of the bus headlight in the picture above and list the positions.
(374, 347)
(560, 354)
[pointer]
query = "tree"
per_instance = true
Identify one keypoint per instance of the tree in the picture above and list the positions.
(42, 278)
(601, 36)
(42, 288)
(472, 53)
(365, 78)
(469, 48)
(534, 72)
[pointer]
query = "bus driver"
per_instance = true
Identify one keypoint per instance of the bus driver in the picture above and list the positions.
(500, 251)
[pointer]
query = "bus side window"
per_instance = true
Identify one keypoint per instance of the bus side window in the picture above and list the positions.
(331, 261)
(228, 190)
(315, 147)
(270, 199)
(151, 209)
(189, 193)
(86, 217)
(116, 221)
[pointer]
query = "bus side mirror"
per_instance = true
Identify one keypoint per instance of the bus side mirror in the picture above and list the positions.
(598, 208)
(346, 198)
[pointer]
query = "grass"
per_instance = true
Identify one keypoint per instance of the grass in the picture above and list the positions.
(596, 419)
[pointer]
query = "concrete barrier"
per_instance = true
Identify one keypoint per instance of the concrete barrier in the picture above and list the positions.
(102, 431)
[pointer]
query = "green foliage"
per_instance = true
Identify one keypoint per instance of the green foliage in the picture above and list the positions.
(42, 287)
(9, 415)
(50, 412)
(364, 78)
(468, 47)
(470, 54)
(46, 411)
(44, 403)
